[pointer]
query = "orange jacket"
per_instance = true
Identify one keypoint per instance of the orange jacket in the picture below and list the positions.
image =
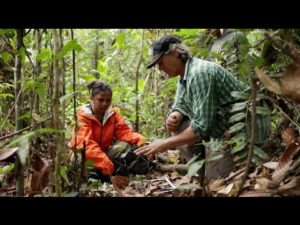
(98, 137)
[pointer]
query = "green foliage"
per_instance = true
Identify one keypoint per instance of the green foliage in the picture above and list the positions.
(45, 54)
(71, 45)
(23, 142)
(195, 167)
(63, 172)
(6, 169)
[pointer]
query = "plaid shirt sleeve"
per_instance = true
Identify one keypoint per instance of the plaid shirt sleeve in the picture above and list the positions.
(203, 103)
(179, 101)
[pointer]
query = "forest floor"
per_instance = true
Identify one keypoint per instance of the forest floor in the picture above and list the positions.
(280, 176)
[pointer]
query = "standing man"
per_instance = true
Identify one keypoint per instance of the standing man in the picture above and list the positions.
(201, 107)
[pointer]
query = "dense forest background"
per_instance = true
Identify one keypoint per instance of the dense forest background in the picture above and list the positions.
(43, 77)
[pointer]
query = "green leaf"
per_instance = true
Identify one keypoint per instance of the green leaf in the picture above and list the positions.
(89, 164)
(262, 110)
(239, 146)
(71, 194)
(240, 95)
(9, 32)
(23, 150)
(195, 167)
(238, 106)
(255, 160)
(260, 153)
(120, 40)
(6, 95)
(67, 98)
(260, 97)
(63, 173)
(239, 137)
(30, 84)
(71, 45)
(44, 54)
(237, 117)
(6, 57)
(192, 160)
(7, 168)
(41, 90)
(236, 127)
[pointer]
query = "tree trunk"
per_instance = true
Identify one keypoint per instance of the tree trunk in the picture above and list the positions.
(58, 111)
(38, 70)
(18, 111)
(137, 107)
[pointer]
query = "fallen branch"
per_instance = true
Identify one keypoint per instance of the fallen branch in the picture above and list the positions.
(179, 168)
(169, 182)
(20, 131)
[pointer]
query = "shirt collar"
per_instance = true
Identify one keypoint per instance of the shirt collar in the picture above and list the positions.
(186, 70)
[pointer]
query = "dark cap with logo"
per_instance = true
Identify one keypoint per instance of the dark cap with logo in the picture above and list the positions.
(160, 47)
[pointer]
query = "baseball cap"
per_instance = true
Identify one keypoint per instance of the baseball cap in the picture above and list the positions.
(160, 47)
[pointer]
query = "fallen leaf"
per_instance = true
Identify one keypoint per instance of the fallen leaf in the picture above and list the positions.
(217, 185)
(5, 153)
(36, 117)
(40, 176)
(271, 165)
(120, 181)
(261, 184)
(288, 136)
(256, 194)
(285, 160)
(227, 189)
(292, 188)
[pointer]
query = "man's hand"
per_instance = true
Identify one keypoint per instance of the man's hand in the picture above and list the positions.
(151, 149)
(173, 121)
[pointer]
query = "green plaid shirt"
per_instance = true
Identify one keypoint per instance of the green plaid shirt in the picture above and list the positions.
(204, 95)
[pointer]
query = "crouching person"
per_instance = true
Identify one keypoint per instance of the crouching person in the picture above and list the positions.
(99, 127)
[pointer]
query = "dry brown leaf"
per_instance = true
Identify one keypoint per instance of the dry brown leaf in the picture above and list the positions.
(40, 176)
(217, 185)
(291, 82)
(227, 189)
(150, 190)
(292, 188)
(235, 174)
(182, 180)
(285, 160)
(120, 181)
(288, 136)
(256, 172)
(261, 184)
(270, 84)
(36, 117)
(271, 165)
(5, 153)
(256, 194)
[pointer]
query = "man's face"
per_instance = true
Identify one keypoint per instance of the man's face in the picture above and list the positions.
(169, 64)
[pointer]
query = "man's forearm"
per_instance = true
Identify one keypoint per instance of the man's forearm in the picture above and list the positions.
(185, 137)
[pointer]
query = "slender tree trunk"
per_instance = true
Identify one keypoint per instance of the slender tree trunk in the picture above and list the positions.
(96, 55)
(156, 101)
(18, 110)
(137, 107)
(77, 183)
(38, 70)
(58, 111)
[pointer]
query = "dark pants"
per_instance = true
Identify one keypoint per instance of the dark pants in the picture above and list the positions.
(218, 162)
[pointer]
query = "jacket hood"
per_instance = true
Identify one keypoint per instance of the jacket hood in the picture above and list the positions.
(86, 111)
